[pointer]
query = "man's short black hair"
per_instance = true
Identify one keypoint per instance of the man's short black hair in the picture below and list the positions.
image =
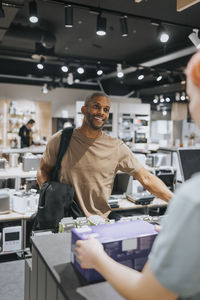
(94, 96)
(31, 121)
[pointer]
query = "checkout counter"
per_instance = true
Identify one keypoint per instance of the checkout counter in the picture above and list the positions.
(50, 274)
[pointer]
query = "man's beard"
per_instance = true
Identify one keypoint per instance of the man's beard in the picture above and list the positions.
(89, 119)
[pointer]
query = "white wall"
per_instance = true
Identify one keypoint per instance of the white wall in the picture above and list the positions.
(62, 99)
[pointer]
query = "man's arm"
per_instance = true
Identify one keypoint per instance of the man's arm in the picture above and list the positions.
(130, 283)
(43, 173)
(153, 184)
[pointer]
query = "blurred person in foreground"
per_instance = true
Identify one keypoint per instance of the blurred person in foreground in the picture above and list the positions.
(173, 268)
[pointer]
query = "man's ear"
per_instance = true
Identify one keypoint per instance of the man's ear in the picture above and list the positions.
(83, 110)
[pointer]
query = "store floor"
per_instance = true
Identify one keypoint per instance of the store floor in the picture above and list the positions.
(12, 280)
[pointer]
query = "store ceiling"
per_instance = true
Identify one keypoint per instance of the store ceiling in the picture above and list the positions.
(22, 44)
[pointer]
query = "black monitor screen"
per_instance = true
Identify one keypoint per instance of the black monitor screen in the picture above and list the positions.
(120, 184)
(189, 162)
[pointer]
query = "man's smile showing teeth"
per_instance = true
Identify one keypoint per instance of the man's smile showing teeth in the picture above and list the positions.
(97, 118)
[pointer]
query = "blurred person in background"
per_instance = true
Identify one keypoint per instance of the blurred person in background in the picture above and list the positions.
(25, 133)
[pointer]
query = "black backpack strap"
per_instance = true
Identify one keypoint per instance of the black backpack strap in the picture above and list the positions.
(64, 143)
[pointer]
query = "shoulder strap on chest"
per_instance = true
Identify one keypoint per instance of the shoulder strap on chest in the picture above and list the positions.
(64, 143)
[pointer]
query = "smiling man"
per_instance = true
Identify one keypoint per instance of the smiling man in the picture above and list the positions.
(93, 159)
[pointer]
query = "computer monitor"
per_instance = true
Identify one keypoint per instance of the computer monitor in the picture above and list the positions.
(189, 160)
(121, 183)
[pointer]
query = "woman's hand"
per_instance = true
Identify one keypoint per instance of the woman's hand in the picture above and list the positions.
(89, 252)
(158, 228)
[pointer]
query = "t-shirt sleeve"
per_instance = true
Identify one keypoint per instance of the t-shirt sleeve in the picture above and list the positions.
(128, 162)
(175, 256)
(51, 151)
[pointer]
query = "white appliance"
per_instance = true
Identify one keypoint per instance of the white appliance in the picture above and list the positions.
(31, 162)
(11, 238)
(23, 202)
(13, 160)
(4, 203)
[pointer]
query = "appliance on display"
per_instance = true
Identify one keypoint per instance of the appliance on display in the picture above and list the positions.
(31, 162)
(126, 242)
(158, 159)
(140, 137)
(11, 238)
(13, 160)
(4, 203)
(31, 183)
(23, 202)
(2, 163)
(189, 161)
(114, 200)
(142, 199)
(141, 128)
(167, 175)
(125, 132)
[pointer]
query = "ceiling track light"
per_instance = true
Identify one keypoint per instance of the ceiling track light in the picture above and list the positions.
(101, 25)
(155, 100)
(99, 69)
(40, 65)
(124, 26)
(162, 34)
(159, 77)
(183, 97)
(164, 112)
(140, 77)
(69, 16)
(194, 38)
(45, 89)
(80, 70)
(162, 99)
(177, 96)
(64, 68)
(33, 15)
(70, 79)
(120, 72)
(2, 13)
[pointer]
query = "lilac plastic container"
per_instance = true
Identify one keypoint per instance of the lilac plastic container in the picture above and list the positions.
(129, 243)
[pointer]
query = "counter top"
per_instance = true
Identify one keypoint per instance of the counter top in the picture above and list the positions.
(32, 149)
(125, 204)
(16, 172)
(12, 216)
(55, 251)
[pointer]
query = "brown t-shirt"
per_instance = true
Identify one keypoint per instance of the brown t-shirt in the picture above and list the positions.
(90, 166)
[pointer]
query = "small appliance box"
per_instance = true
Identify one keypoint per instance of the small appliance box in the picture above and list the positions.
(129, 243)
(31, 162)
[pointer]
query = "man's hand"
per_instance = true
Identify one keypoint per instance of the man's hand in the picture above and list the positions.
(89, 252)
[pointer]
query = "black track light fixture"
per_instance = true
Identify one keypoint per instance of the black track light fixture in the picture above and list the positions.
(64, 68)
(99, 69)
(124, 26)
(2, 13)
(33, 15)
(101, 25)
(68, 16)
(162, 33)
(40, 65)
